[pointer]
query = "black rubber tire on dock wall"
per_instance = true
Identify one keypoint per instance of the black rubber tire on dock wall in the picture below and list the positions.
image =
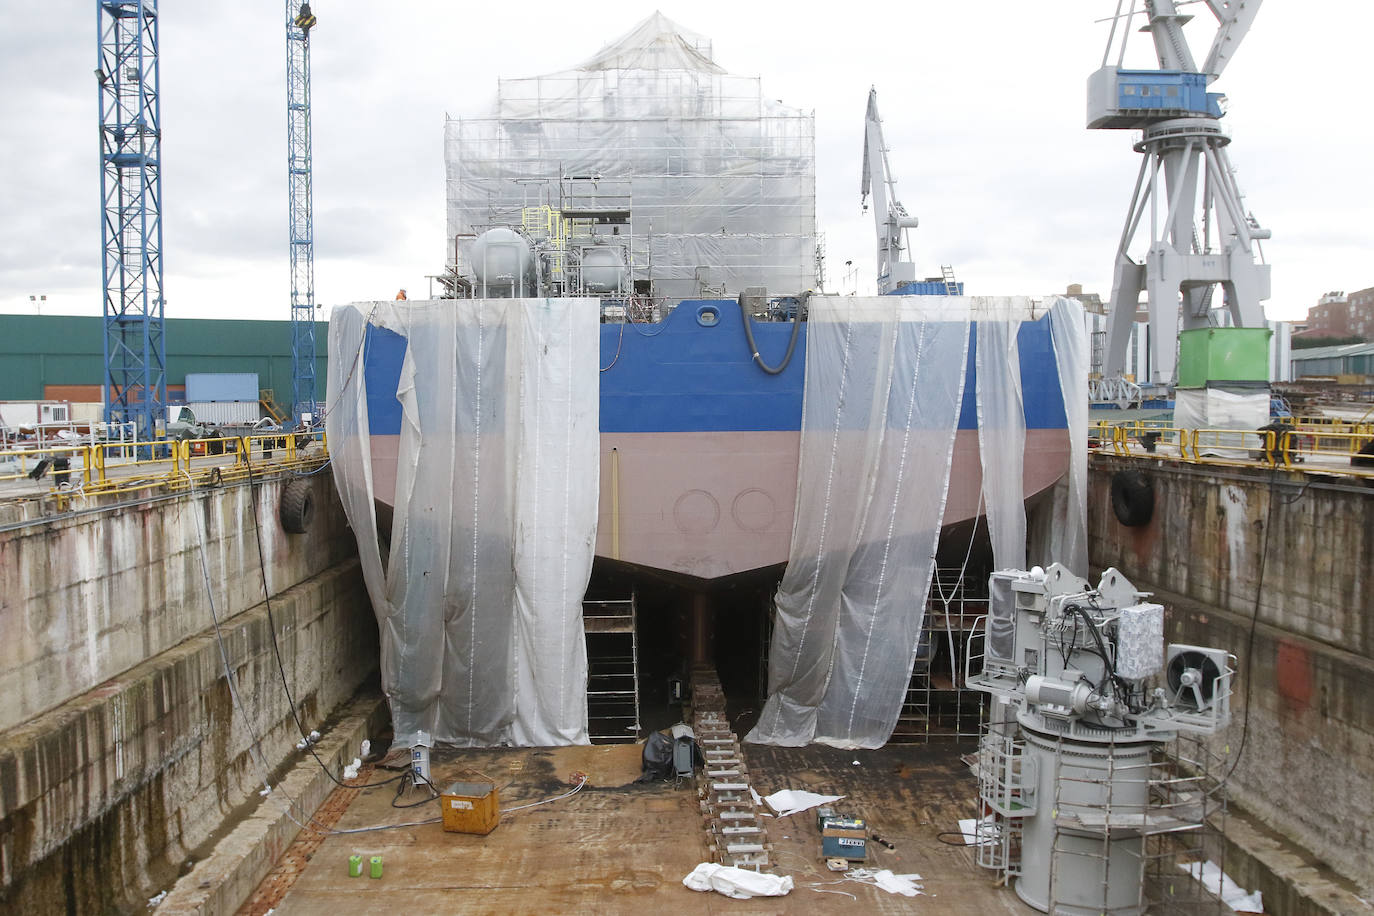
(297, 506)
(1133, 498)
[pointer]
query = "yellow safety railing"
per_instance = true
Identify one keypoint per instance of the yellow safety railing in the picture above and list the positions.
(19, 463)
(1290, 448)
(173, 463)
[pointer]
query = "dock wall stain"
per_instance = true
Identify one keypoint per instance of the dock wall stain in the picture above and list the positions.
(1305, 770)
(104, 796)
(84, 597)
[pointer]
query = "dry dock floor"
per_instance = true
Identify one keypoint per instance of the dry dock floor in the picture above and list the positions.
(623, 847)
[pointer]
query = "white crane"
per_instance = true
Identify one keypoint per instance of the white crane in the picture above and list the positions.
(1196, 242)
(894, 262)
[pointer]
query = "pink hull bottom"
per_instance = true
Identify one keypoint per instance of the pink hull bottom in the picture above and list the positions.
(708, 506)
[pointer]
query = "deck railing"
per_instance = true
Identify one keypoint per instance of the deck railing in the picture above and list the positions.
(101, 467)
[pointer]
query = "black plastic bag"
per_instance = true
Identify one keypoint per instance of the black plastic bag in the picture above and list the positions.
(658, 758)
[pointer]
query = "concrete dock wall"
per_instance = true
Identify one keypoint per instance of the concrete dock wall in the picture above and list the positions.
(88, 595)
(1307, 672)
(109, 792)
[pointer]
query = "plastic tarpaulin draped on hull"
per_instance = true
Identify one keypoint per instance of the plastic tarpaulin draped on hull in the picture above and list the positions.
(885, 381)
(1002, 432)
(1069, 542)
(479, 599)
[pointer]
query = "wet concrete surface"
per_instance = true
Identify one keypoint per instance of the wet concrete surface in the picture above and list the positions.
(623, 847)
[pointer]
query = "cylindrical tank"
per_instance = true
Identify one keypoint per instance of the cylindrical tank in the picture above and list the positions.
(603, 269)
(501, 258)
(1063, 853)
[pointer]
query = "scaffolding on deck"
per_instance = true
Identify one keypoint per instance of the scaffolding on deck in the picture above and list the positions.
(722, 178)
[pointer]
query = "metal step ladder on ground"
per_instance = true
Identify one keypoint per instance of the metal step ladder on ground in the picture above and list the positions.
(736, 832)
(612, 670)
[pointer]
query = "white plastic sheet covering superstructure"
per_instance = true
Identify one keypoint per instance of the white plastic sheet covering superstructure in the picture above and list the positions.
(722, 178)
(885, 379)
(479, 600)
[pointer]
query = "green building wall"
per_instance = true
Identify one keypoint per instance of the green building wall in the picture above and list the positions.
(41, 350)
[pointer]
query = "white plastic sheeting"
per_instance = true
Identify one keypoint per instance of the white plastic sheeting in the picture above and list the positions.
(1217, 408)
(722, 178)
(1002, 429)
(479, 599)
(884, 385)
(737, 883)
(884, 382)
(1069, 539)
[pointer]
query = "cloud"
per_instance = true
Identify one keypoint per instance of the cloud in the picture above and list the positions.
(983, 108)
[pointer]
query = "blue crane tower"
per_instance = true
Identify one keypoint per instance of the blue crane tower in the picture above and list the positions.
(299, 21)
(135, 383)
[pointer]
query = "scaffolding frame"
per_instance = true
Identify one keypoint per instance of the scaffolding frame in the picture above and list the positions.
(939, 704)
(721, 176)
(1181, 822)
(610, 631)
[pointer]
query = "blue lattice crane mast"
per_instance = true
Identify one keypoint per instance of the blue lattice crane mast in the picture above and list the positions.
(135, 383)
(299, 21)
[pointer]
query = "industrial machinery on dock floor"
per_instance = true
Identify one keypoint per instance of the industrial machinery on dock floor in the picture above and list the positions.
(1084, 791)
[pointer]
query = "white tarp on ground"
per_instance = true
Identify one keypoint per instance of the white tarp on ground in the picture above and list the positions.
(479, 600)
(884, 386)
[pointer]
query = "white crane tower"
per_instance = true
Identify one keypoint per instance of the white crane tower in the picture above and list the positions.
(1197, 242)
(891, 217)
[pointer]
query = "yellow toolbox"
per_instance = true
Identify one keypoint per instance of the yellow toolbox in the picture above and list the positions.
(470, 807)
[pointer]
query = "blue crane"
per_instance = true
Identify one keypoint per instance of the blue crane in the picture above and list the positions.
(299, 21)
(135, 382)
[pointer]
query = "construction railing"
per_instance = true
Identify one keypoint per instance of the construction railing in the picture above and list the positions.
(1326, 448)
(175, 464)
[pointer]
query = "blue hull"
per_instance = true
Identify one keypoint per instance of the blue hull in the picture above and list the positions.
(683, 376)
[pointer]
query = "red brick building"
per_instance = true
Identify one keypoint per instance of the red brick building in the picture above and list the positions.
(1339, 315)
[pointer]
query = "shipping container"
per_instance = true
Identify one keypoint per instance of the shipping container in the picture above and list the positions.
(221, 386)
(226, 413)
(1210, 355)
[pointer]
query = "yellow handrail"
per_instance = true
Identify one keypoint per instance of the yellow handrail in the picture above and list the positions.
(124, 465)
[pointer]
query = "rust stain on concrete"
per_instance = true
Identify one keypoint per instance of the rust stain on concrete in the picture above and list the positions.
(1293, 672)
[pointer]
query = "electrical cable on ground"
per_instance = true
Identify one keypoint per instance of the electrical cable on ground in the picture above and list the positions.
(577, 788)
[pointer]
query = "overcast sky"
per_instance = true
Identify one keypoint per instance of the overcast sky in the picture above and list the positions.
(983, 108)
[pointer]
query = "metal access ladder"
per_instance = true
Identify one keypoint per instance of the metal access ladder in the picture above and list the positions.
(612, 670)
(951, 284)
